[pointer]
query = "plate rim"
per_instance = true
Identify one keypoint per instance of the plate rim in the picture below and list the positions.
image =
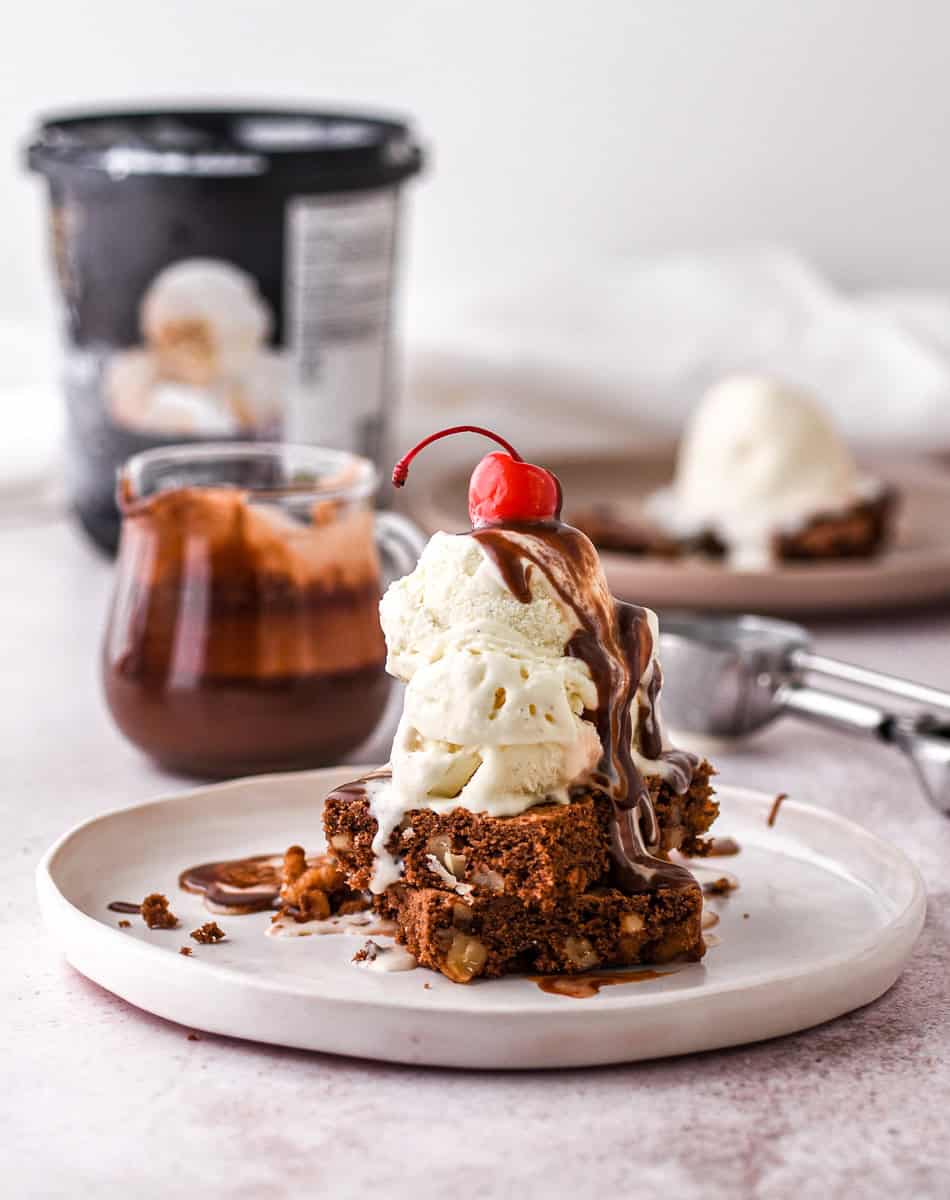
(54, 903)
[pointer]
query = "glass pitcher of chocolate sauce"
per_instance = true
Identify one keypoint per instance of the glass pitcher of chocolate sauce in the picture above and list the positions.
(244, 631)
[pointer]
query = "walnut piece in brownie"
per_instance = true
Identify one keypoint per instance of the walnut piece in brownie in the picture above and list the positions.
(156, 914)
(208, 934)
(492, 936)
(544, 856)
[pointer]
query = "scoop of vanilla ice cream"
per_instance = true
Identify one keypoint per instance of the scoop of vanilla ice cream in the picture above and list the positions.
(455, 583)
(756, 457)
(212, 295)
(492, 715)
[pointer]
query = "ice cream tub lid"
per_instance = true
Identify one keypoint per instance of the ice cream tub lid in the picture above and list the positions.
(320, 150)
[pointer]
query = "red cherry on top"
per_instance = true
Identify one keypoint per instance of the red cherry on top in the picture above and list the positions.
(508, 489)
(503, 486)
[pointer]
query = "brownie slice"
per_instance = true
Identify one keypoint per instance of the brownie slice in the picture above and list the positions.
(492, 936)
(685, 819)
(612, 528)
(542, 857)
(856, 532)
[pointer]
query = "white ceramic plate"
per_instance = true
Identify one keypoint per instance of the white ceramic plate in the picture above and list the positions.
(914, 570)
(833, 913)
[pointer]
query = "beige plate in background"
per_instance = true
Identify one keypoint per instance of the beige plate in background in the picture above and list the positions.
(914, 570)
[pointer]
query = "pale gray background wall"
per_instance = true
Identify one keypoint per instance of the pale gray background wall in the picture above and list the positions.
(559, 127)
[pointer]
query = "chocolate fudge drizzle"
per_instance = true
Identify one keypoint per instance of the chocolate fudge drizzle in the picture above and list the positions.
(584, 987)
(238, 886)
(615, 642)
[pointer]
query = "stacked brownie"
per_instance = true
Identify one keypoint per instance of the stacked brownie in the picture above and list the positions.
(858, 531)
(484, 895)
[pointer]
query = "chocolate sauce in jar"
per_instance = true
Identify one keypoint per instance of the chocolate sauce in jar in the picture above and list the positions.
(241, 638)
(615, 642)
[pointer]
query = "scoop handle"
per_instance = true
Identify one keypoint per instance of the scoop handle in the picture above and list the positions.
(922, 739)
(400, 544)
(833, 711)
(891, 685)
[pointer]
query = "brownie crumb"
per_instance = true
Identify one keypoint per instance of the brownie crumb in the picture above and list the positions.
(193, 1037)
(156, 914)
(720, 887)
(125, 924)
(369, 952)
(208, 933)
(722, 847)
(745, 916)
(427, 987)
(186, 950)
(776, 805)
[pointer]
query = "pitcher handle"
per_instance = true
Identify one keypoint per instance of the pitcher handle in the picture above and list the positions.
(400, 543)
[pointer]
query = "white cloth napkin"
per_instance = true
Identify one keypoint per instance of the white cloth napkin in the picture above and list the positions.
(586, 358)
(32, 420)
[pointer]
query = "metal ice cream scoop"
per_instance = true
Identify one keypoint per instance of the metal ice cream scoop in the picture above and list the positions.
(728, 676)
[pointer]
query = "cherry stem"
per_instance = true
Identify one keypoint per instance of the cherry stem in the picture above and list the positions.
(401, 469)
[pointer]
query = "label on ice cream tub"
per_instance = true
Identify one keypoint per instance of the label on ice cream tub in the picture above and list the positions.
(340, 253)
(210, 359)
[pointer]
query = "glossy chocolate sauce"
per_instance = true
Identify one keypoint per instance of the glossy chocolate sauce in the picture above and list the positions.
(227, 727)
(774, 810)
(583, 987)
(615, 642)
(237, 886)
(124, 906)
(241, 639)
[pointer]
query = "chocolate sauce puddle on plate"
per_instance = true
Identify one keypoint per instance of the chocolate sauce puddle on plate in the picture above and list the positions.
(236, 886)
(583, 987)
(124, 906)
(616, 643)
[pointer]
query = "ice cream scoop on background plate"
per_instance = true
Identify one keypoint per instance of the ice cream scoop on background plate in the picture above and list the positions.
(761, 477)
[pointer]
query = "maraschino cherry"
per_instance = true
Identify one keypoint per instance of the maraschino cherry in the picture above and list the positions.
(503, 486)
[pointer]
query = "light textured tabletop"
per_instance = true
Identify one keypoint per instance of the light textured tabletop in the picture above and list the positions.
(99, 1099)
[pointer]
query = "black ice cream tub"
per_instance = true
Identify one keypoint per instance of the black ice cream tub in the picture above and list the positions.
(224, 274)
